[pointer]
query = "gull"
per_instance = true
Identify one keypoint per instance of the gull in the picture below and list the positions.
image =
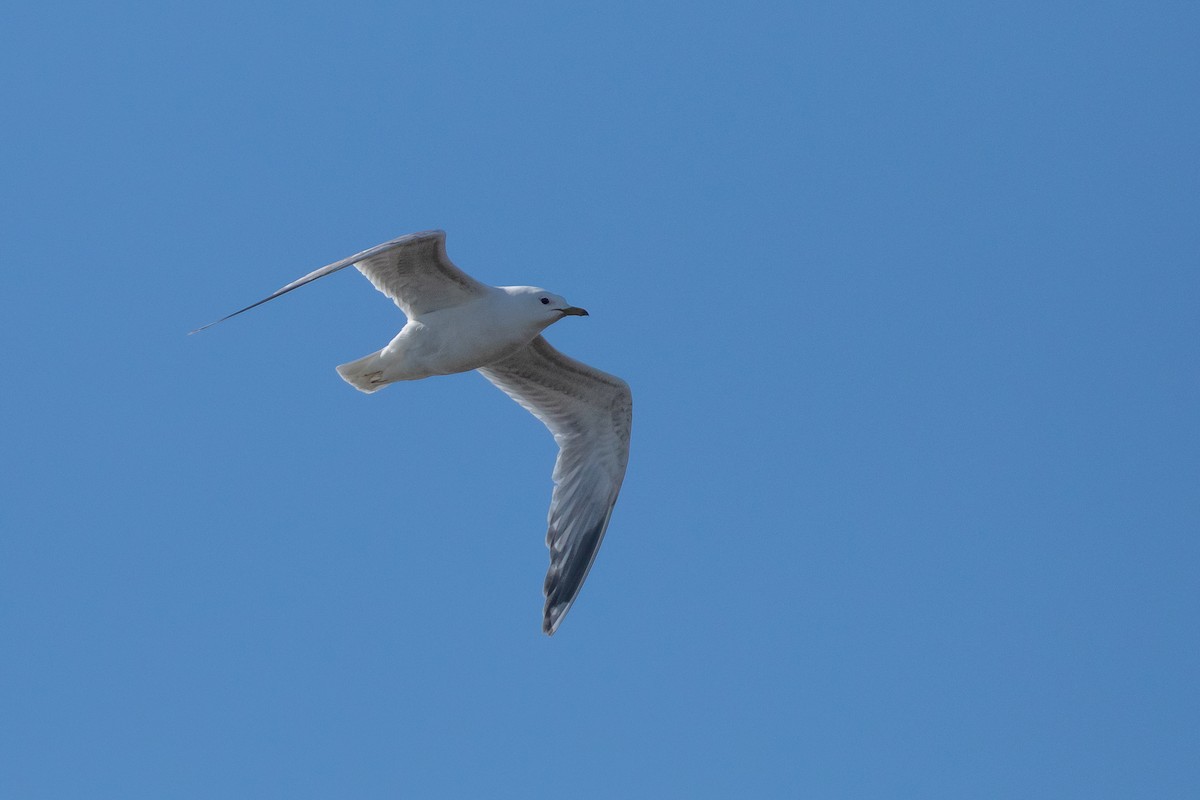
(456, 324)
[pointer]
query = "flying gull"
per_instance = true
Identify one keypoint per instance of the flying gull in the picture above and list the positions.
(456, 324)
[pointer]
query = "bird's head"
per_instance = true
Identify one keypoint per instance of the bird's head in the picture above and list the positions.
(546, 308)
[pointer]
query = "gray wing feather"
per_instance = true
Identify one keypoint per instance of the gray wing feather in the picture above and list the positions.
(590, 414)
(413, 270)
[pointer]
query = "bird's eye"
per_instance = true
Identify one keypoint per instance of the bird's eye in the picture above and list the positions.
(545, 301)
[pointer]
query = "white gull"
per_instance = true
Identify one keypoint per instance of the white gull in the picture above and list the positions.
(456, 324)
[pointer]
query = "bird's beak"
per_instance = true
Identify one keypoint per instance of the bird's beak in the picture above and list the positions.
(572, 311)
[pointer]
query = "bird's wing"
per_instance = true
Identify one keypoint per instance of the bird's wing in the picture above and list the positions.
(590, 414)
(412, 270)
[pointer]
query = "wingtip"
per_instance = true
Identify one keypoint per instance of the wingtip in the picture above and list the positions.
(553, 618)
(209, 325)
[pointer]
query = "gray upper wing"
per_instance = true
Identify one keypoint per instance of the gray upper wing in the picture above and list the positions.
(590, 414)
(413, 270)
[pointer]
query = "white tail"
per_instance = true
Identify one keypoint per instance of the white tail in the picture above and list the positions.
(365, 374)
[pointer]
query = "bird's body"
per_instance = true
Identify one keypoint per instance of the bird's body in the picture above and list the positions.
(457, 324)
(459, 338)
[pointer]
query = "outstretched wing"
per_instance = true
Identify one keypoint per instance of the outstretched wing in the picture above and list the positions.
(412, 270)
(590, 413)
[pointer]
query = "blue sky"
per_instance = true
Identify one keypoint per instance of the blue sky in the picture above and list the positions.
(907, 295)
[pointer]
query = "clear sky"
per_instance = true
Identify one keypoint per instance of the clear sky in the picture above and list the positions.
(909, 298)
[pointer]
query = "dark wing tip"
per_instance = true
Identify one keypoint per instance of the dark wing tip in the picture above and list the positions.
(565, 579)
(209, 325)
(309, 278)
(553, 616)
(234, 314)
